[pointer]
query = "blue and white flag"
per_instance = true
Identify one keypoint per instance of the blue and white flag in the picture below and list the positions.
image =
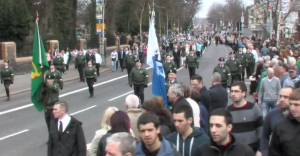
(153, 48)
(158, 81)
(153, 57)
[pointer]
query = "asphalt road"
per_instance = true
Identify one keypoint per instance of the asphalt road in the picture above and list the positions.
(23, 130)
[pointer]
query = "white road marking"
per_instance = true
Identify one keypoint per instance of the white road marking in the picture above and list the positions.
(11, 135)
(120, 96)
(66, 94)
(132, 91)
(83, 110)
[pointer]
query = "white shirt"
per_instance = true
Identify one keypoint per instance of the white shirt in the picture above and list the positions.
(255, 56)
(98, 58)
(65, 122)
(196, 111)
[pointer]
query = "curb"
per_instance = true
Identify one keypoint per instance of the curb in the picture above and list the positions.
(28, 89)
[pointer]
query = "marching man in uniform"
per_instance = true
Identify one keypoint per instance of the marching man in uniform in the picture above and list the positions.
(191, 62)
(169, 66)
(224, 71)
(91, 77)
(7, 77)
(56, 74)
(139, 80)
(80, 64)
(235, 67)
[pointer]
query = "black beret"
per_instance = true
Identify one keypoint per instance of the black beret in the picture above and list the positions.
(231, 53)
(221, 59)
(50, 76)
(6, 61)
(173, 71)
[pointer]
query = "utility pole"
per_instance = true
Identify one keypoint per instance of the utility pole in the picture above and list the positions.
(242, 21)
(278, 23)
(271, 21)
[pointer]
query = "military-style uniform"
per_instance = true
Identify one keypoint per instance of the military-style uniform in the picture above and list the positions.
(130, 60)
(242, 58)
(7, 78)
(91, 77)
(58, 62)
(235, 69)
(169, 67)
(163, 55)
(191, 62)
(139, 79)
(224, 71)
(56, 76)
(80, 64)
(250, 63)
(51, 95)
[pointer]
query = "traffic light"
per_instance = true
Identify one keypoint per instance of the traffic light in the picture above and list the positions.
(239, 26)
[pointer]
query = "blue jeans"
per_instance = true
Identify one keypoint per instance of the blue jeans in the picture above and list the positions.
(113, 65)
(267, 106)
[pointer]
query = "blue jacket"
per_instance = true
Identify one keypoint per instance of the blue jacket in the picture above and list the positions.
(204, 118)
(191, 144)
(166, 149)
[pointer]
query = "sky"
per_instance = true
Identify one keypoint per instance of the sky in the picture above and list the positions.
(207, 3)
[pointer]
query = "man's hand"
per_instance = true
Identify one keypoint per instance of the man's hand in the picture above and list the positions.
(258, 153)
(145, 85)
(130, 85)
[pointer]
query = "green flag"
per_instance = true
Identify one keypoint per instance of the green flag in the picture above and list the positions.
(39, 66)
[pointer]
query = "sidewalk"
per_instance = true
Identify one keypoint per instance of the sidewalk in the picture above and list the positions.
(22, 83)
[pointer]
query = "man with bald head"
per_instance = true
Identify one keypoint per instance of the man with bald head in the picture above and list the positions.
(269, 91)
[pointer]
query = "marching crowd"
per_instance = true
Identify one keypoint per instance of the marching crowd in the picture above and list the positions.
(198, 121)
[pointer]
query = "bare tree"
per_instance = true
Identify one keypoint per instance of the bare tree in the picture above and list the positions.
(214, 15)
(233, 11)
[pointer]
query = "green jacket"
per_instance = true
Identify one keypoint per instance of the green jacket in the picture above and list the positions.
(169, 67)
(225, 74)
(79, 60)
(130, 60)
(90, 72)
(57, 77)
(52, 94)
(163, 54)
(7, 74)
(262, 75)
(139, 76)
(249, 58)
(242, 58)
(234, 66)
(192, 61)
(58, 62)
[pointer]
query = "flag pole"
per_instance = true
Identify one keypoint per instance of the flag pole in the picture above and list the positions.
(39, 40)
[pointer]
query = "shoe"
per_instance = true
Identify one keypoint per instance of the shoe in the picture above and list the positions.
(7, 99)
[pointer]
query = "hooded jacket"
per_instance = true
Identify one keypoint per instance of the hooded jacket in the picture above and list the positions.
(188, 146)
(166, 149)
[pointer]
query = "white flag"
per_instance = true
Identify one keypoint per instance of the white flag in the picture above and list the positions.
(153, 48)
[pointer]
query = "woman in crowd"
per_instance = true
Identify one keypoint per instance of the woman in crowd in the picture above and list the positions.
(194, 105)
(196, 96)
(105, 126)
(119, 122)
(156, 106)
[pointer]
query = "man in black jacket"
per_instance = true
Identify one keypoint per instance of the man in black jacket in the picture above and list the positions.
(121, 58)
(218, 94)
(89, 56)
(222, 142)
(285, 138)
(66, 137)
(175, 96)
(197, 84)
(176, 55)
